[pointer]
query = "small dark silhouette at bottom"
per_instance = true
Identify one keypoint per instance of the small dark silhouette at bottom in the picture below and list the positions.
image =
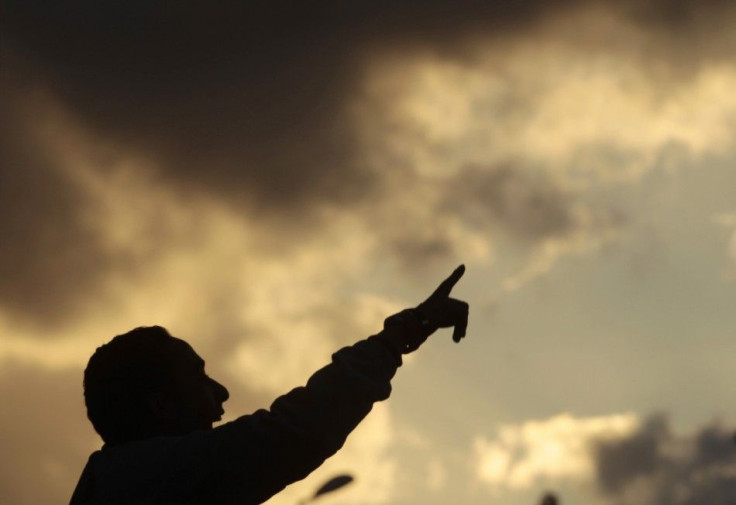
(549, 499)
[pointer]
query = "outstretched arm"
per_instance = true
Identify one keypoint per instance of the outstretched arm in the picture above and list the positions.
(258, 455)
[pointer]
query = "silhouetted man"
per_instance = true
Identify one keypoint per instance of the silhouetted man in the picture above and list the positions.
(149, 398)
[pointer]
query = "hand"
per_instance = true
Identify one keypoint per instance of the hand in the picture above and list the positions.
(441, 311)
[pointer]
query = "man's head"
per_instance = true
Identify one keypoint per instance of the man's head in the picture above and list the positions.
(146, 383)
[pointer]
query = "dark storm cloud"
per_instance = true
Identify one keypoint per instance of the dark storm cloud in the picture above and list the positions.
(685, 36)
(620, 462)
(669, 470)
(245, 100)
(679, 14)
(249, 98)
(530, 205)
(239, 97)
(499, 202)
(47, 256)
(249, 101)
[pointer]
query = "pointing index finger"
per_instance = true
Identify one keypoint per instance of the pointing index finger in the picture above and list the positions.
(445, 288)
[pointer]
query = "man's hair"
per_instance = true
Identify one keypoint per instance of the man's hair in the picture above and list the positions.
(118, 379)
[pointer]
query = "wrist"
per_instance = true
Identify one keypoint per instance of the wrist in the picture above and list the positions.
(413, 328)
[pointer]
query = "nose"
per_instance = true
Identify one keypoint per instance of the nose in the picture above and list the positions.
(220, 391)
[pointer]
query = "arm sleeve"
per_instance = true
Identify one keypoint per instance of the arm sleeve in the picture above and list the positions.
(254, 457)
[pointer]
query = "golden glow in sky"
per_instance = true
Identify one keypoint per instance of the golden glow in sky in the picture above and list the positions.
(579, 161)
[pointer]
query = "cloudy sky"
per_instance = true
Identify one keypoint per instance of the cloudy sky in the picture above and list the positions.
(269, 180)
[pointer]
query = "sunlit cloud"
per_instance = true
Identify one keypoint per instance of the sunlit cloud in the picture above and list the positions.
(558, 101)
(561, 447)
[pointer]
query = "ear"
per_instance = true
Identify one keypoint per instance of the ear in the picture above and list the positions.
(161, 405)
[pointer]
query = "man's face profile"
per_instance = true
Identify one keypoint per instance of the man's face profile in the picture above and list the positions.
(147, 383)
(189, 399)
